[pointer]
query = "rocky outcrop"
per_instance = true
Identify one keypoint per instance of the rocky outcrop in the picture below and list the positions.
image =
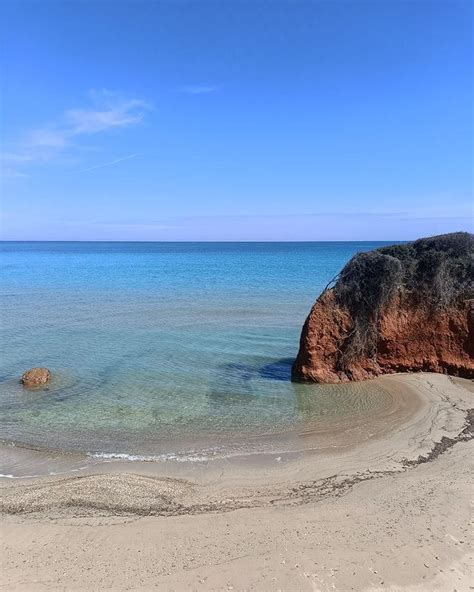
(404, 308)
(36, 377)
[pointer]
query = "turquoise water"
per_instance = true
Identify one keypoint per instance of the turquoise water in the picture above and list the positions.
(163, 348)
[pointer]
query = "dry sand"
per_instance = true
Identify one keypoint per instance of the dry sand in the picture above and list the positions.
(390, 513)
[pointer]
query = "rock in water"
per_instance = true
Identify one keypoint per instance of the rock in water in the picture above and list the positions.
(404, 308)
(36, 377)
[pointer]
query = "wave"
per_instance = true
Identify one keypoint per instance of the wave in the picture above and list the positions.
(184, 457)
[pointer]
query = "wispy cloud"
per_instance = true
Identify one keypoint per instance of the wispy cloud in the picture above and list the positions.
(11, 173)
(106, 111)
(111, 110)
(106, 164)
(198, 89)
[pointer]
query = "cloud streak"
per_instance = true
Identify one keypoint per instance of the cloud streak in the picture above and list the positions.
(198, 89)
(107, 111)
(106, 164)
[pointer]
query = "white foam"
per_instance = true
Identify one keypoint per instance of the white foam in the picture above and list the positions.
(50, 474)
(191, 457)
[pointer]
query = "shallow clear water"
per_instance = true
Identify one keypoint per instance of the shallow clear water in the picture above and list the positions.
(163, 347)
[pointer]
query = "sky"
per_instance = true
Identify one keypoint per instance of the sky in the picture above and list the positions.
(235, 120)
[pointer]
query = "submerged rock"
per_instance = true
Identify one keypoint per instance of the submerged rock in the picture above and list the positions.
(403, 308)
(36, 377)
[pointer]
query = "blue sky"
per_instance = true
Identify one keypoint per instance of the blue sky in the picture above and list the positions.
(235, 120)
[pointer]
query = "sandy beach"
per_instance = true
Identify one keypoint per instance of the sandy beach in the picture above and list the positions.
(236, 296)
(390, 512)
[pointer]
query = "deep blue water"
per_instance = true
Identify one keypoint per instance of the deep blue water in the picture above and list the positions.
(155, 346)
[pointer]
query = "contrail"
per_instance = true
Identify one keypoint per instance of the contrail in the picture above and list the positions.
(105, 164)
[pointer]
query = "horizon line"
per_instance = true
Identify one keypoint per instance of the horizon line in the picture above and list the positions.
(207, 241)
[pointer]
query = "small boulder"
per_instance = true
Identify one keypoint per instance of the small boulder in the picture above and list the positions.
(36, 377)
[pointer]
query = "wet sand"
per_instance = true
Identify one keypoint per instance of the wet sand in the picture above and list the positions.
(385, 512)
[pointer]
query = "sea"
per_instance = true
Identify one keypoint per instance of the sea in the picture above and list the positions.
(164, 350)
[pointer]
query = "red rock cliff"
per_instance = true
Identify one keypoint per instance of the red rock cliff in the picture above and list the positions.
(405, 308)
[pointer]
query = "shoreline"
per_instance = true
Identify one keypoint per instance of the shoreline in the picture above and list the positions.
(367, 407)
(323, 518)
(399, 402)
(426, 409)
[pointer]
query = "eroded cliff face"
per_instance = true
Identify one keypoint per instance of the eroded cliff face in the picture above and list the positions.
(398, 309)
